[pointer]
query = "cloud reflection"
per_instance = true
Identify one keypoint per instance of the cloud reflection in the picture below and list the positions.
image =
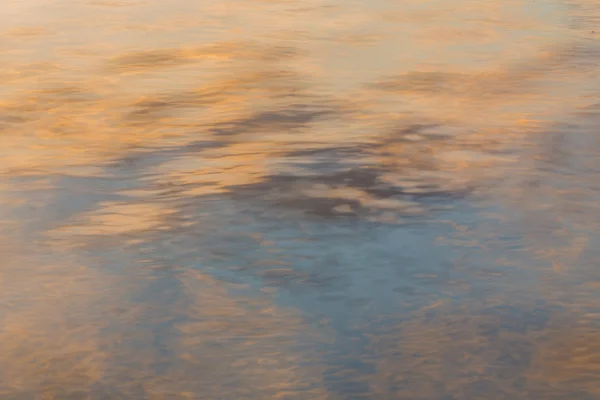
(268, 199)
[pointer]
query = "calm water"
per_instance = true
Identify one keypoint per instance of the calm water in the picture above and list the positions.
(300, 199)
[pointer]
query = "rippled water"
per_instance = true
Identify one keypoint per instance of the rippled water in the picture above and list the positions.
(285, 199)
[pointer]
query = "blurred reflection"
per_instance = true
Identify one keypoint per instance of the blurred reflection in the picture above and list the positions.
(301, 200)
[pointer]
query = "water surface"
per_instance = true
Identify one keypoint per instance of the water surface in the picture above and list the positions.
(282, 199)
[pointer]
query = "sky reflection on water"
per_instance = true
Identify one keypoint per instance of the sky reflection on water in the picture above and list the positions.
(256, 199)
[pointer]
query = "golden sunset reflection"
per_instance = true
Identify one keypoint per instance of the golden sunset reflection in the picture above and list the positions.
(275, 199)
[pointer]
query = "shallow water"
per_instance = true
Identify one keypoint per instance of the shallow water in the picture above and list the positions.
(282, 199)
